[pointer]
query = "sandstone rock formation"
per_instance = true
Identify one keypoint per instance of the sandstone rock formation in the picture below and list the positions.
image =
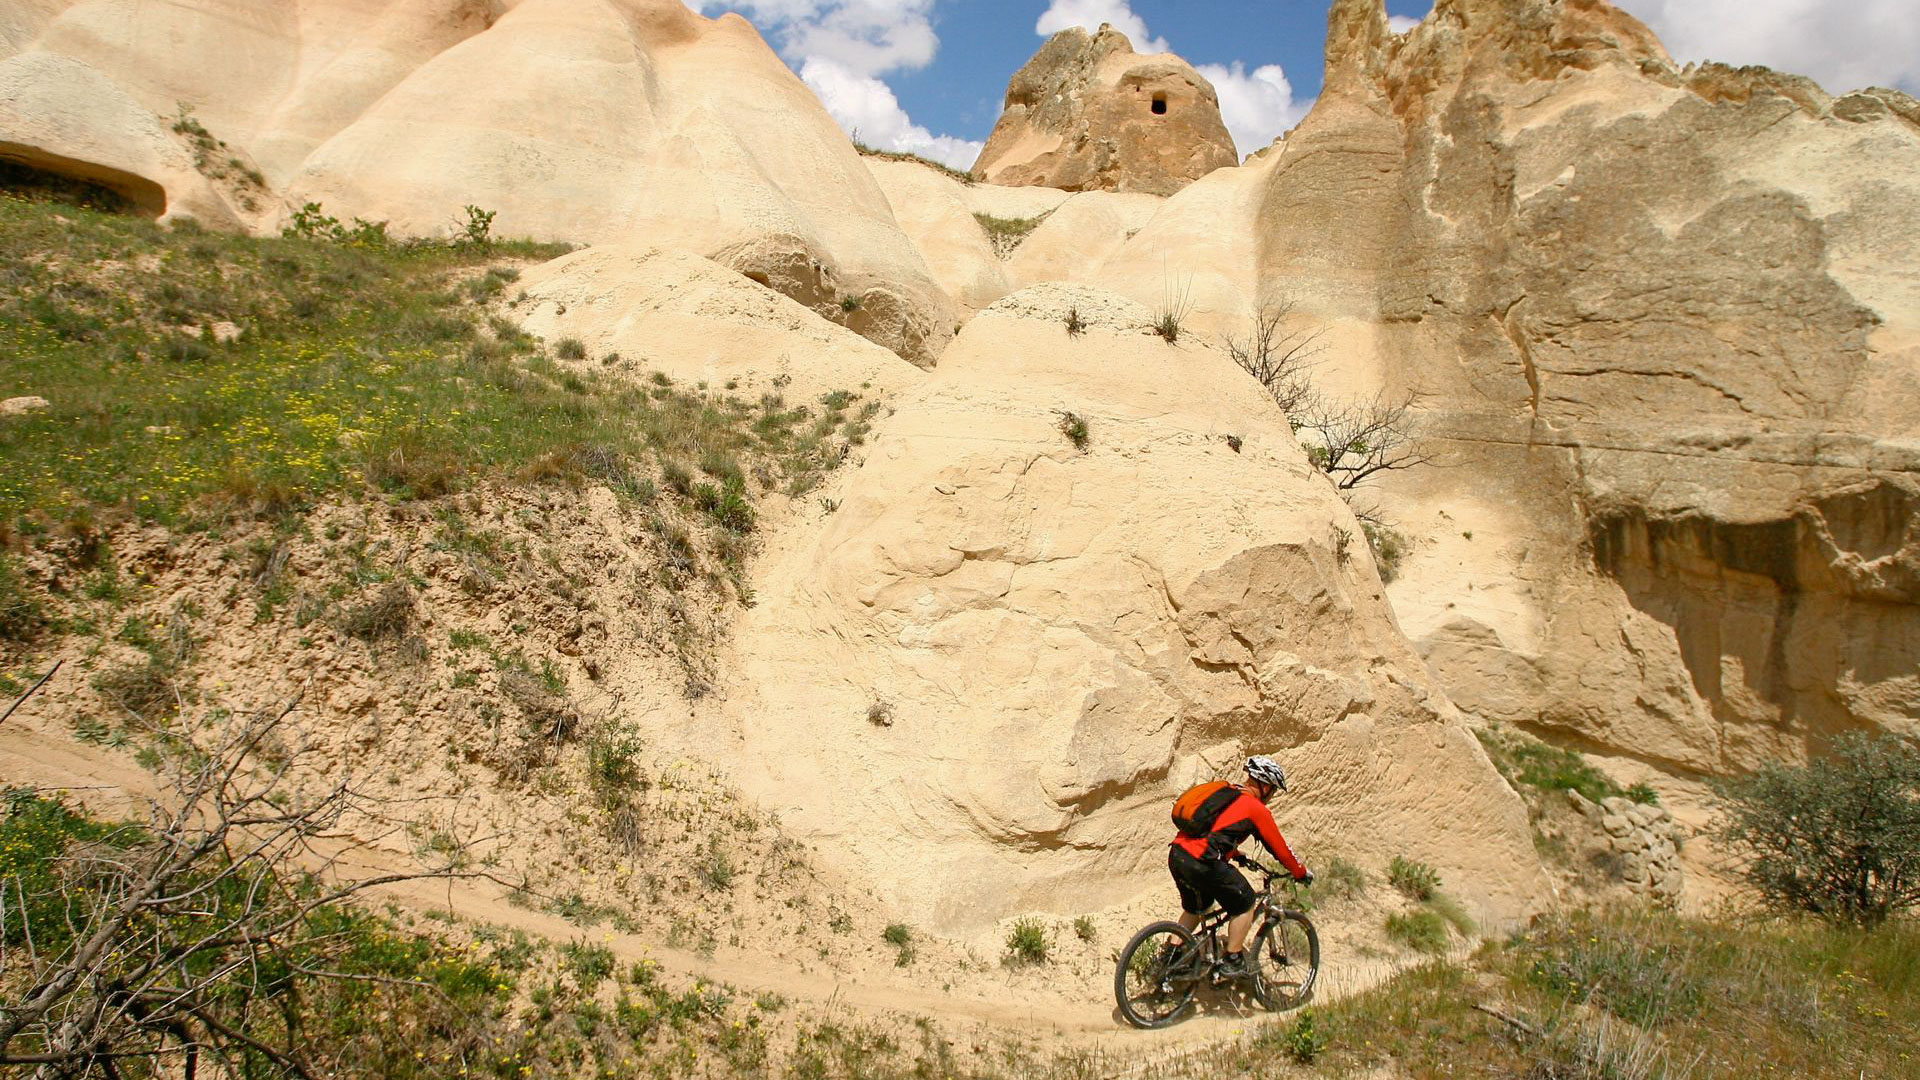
(626, 121)
(1003, 654)
(938, 216)
(1668, 332)
(699, 322)
(1088, 114)
(1670, 327)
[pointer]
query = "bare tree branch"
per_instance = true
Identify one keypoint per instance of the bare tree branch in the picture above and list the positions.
(17, 702)
(193, 932)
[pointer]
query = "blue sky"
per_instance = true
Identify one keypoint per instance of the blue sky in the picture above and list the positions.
(983, 42)
(927, 76)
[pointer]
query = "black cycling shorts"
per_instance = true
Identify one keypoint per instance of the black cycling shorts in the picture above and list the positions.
(1205, 882)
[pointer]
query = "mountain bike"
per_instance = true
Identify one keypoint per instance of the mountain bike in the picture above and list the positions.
(1164, 966)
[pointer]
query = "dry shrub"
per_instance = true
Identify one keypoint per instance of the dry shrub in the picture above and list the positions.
(387, 616)
(549, 716)
(143, 688)
(405, 463)
(21, 613)
(151, 686)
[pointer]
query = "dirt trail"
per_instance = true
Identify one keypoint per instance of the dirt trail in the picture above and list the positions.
(1072, 1016)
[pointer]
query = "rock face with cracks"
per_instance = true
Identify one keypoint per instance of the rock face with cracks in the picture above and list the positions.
(1667, 322)
(618, 121)
(1004, 653)
(1665, 326)
(1088, 114)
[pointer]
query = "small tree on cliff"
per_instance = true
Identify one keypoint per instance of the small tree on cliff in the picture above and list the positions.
(1839, 837)
(1350, 441)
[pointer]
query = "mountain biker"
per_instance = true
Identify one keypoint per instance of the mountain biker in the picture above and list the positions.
(1199, 863)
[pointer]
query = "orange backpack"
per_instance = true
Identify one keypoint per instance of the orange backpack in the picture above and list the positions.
(1195, 811)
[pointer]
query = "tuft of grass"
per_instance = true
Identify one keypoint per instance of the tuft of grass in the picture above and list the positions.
(1304, 1040)
(1523, 759)
(900, 936)
(1083, 928)
(1006, 234)
(1422, 930)
(1449, 909)
(717, 870)
(613, 763)
(1343, 879)
(1414, 879)
(589, 964)
(1171, 317)
(154, 686)
(1075, 324)
(570, 348)
(1390, 549)
(948, 171)
(1074, 427)
(880, 714)
(1027, 941)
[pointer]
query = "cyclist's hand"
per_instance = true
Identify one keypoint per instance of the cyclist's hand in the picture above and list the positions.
(1305, 878)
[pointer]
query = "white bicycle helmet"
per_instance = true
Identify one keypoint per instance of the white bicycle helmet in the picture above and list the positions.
(1267, 771)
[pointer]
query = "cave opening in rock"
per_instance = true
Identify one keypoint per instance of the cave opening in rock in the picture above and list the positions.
(1159, 104)
(34, 174)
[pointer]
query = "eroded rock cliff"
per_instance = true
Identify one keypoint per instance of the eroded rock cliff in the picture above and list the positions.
(1667, 322)
(1006, 653)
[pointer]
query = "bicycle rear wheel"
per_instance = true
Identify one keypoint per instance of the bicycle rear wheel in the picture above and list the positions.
(1287, 956)
(1159, 971)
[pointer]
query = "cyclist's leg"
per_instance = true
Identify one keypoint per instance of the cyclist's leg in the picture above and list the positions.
(1237, 929)
(1188, 877)
(1235, 897)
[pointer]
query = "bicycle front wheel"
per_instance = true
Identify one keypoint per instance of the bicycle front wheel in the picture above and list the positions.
(1158, 972)
(1287, 954)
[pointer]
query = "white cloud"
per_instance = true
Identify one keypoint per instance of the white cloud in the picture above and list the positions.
(868, 37)
(1257, 106)
(841, 48)
(864, 107)
(1842, 46)
(1091, 13)
(1400, 24)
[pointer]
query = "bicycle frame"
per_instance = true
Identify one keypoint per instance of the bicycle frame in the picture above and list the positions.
(1266, 905)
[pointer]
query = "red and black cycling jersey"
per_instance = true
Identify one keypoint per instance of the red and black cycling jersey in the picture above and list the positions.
(1245, 816)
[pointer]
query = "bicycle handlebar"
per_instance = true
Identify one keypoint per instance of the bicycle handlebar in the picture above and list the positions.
(1271, 872)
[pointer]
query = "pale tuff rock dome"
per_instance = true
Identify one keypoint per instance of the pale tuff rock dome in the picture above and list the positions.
(1088, 114)
(626, 121)
(1064, 635)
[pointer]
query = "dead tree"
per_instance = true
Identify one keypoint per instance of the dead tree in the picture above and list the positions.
(146, 948)
(1280, 358)
(1349, 441)
(1356, 441)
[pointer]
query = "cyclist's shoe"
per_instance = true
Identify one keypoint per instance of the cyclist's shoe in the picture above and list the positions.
(1235, 966)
